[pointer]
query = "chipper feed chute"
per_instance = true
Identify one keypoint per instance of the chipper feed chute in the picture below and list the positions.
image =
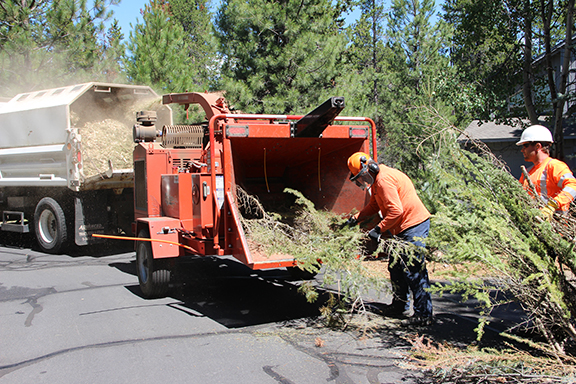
(186, 190)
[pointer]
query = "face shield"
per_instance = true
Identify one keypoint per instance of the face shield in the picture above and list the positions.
(363, 179)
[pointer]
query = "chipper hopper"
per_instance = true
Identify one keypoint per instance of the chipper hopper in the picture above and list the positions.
(186, 179)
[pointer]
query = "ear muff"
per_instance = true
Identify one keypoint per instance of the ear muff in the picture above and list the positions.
(373, 167)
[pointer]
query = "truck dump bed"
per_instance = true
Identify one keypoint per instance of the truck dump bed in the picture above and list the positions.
(78, 136)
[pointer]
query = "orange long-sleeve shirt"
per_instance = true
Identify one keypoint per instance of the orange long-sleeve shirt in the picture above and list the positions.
(552, 179)
(394, 195)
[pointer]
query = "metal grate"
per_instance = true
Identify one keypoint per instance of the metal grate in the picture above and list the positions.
(182, 136)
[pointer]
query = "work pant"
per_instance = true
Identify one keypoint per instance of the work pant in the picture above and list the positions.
(409, 273)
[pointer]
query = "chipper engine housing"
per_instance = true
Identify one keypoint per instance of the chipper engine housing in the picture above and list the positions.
(186, 178)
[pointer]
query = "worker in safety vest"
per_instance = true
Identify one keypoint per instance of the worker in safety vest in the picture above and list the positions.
(553, 180)
(405, 217)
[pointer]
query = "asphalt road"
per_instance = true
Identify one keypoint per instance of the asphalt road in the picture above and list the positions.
(80, 318)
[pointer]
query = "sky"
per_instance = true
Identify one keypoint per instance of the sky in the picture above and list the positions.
(128, 11)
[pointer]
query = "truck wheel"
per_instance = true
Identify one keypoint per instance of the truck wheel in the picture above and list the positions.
(50, 226)
(153, 274)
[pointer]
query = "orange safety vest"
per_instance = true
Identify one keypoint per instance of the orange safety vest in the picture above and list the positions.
(552, 179)
(394, 195)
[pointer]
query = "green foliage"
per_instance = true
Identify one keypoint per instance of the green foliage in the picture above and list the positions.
(315, 239)
(481, 215)
(485, 50)
(172, 50)
(279, 56)
(47, 44)
(418, 66)
(158, 53)
(367, 59)
(196, 20)
(113, 55)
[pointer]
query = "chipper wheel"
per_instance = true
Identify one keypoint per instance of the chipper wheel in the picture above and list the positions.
(153, 274)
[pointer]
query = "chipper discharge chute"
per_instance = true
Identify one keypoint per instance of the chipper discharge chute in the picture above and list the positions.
(186, 178)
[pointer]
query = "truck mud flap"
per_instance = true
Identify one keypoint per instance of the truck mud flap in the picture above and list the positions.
(88, 221)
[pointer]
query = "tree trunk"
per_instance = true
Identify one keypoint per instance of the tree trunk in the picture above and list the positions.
(375, 20)
(527, 71)
(546, 10)
(558, 131)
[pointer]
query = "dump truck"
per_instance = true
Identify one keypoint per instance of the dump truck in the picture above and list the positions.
(186, 179)
(66, 161)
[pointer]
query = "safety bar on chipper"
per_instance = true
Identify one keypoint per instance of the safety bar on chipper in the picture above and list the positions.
(212, 129)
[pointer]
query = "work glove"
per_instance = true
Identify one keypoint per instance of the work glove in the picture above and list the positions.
(352, 221)
(548, 210)
(375, 233)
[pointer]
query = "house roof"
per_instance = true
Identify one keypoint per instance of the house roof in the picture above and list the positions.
(490, 131)
(554, 51)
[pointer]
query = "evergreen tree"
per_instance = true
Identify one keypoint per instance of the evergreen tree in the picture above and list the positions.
(49, 43)
(494, 47)
(486, 50)
(196, 20)
(279, 56)
(113, 50)
(157, 52)
(367, 59)
(419, 67)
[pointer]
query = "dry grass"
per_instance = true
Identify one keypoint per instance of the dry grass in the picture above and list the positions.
(437, 270)
(448, 364)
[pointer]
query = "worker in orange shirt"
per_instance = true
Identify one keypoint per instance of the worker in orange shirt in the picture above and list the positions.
(553, 180)
(404, 217)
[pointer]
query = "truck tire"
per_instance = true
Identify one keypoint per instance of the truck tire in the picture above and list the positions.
(50, 226)
(153, 274)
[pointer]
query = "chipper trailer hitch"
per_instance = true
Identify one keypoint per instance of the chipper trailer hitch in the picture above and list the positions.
(186, 176)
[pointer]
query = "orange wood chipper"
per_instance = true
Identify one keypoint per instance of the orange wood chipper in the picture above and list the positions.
(185, 178)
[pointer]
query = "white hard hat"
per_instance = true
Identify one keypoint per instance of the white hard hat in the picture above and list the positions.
(537, 133)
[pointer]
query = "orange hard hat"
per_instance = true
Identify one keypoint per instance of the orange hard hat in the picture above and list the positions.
(357, 162)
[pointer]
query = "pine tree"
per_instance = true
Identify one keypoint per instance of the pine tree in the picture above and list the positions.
(157, 52)
(418, 67)
(367, 59)
(196, 20)
(49, 43)
(279, 56)
(113, 50)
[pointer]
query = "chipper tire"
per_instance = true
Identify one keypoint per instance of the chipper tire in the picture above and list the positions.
(153, 274)
(50, 226)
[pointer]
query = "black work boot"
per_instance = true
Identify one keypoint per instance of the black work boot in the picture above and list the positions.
(418, 321)
(388, 310)
(396, 311)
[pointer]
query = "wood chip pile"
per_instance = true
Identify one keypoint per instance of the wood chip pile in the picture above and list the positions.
(110, 139)
(103, 141)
